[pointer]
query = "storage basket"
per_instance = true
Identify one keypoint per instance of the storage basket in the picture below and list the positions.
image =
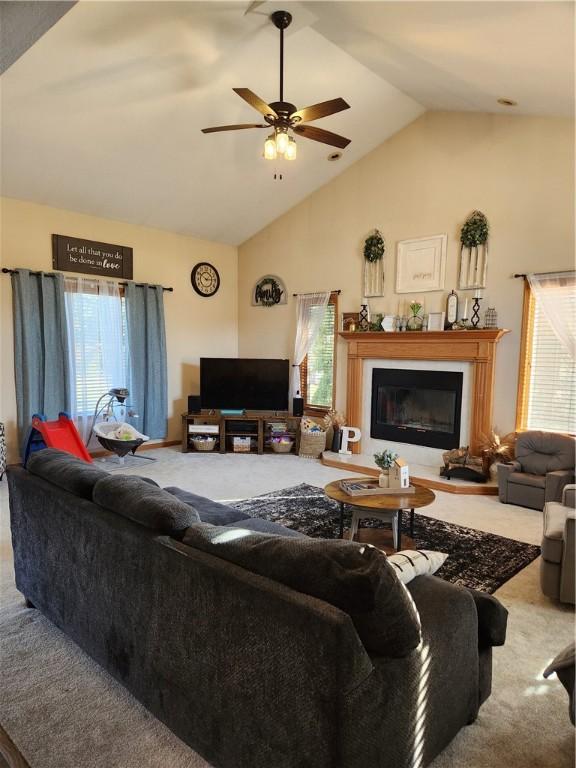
(204, 445)
(312, 444)
(282, 447)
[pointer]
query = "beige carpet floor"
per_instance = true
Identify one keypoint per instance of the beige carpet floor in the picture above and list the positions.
(63, 711)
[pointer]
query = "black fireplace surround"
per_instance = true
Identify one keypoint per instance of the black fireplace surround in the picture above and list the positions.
(418, 407)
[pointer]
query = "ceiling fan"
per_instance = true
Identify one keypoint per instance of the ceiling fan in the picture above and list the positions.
(283, 116)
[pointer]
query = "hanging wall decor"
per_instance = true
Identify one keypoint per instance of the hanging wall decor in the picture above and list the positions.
(474, 252)
(269, 291)
(421, 264)
(374, 248)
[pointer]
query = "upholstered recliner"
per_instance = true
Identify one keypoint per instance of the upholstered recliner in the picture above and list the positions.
(544, 465)
(557, 568)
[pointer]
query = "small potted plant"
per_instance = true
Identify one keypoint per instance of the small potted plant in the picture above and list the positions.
(415, 320)
(385, 461)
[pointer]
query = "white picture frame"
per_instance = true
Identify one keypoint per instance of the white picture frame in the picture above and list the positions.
(421, 264)
(436, 321)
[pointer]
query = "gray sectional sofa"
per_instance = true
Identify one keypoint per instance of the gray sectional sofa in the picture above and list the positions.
(259, 647)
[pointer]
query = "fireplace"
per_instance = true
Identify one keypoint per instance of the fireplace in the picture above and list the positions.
(418, 407)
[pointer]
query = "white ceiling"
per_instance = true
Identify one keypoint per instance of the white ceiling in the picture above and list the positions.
(103, 114)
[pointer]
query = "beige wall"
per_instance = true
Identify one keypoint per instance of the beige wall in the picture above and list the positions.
(195, 326)
(425, 180)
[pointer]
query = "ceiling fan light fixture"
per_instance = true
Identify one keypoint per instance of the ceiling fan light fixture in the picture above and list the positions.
(291, 150)
(282, 140)
(270, 152)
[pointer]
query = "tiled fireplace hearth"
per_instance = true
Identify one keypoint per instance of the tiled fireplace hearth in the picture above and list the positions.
(429, 390)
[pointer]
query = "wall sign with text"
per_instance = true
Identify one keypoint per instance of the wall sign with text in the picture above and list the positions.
(269, 291)
(72, 254)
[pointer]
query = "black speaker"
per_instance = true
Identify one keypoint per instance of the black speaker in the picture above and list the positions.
(298, 406)
(194, 405)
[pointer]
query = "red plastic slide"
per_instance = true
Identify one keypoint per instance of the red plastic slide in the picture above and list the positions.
(61, 434)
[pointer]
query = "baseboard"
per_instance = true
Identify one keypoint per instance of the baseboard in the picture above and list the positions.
(143, 447)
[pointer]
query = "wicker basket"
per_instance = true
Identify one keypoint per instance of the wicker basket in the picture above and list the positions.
(204, 445)
(283, 447)
(312, 444)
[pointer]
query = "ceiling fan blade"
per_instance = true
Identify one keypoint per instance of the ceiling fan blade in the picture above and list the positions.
(319, 134)
(323, 109)
(255, 101)
(233, 127)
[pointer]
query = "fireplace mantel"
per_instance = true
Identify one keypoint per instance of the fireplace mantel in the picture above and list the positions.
(474, 346)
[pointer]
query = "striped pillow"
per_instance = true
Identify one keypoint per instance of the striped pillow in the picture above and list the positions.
(416, 562)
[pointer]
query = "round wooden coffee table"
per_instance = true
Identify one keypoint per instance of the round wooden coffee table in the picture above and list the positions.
(384, 507)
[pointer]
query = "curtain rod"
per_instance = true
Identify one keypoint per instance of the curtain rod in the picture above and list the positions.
(552, 272)
(51, 274)
(313, 292)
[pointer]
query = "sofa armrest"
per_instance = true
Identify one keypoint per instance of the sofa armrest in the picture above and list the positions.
(492, 619)
(568, 567)
(555, 483)
(504, 472)
(569, 495)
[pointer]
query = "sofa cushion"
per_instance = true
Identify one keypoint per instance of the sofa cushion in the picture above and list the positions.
(525, 478)
(540, 452)
(143, 503)
(410, 563)
(66, 471)
(351, 576)
(266, 526)
(553, 536)
(209, 511)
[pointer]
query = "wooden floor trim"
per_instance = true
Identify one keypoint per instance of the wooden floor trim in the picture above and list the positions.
(473, 489)
(10, 752)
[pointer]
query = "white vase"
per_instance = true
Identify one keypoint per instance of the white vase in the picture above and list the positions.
(384, 478)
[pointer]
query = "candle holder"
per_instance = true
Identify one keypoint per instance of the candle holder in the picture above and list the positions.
(475, 319)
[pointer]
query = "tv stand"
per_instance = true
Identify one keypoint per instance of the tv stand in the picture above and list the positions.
(255, 425)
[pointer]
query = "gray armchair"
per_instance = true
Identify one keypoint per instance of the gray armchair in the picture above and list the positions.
(557, 570)
(544, 465)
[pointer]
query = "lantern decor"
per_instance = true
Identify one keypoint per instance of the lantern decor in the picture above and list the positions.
(374, 248)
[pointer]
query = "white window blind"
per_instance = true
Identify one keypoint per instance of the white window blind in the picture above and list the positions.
(97, 330)
(552, 380)
(320, 362)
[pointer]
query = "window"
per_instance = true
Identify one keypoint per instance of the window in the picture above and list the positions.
(547, 380)
(318, 370)
(97, 331)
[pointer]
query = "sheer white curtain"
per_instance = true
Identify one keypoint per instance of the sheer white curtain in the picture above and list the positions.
(310, 309)
(97, 344)
(555, 292)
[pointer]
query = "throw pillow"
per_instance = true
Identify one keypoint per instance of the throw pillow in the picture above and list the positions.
(353, 577)
(66, 471)
(416, 562)
(144, 503)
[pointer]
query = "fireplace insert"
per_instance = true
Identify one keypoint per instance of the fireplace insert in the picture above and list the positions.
(418, 407)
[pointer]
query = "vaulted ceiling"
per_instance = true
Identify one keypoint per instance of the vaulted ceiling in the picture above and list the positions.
(102, 114)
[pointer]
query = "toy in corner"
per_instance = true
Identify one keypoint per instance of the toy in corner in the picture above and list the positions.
(61, 434)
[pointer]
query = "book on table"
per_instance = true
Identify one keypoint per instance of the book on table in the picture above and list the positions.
(371, 488)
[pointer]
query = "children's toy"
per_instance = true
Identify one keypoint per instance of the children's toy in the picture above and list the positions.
(61, 434)
(120, 438)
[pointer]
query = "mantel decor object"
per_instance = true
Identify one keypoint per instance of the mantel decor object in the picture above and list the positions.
(474, 252)
(414, 322)
(374, 248)
(421, 264)
(478, 296)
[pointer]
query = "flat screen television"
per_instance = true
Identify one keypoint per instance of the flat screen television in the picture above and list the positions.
(232, 383)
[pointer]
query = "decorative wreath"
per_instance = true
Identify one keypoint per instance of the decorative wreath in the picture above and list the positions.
(374, 247)
(268, 292)
(475, 230)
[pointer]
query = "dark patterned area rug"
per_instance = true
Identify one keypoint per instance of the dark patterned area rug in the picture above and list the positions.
(476, 559)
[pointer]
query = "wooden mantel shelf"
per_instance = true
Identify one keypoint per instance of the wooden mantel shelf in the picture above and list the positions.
(475, 346)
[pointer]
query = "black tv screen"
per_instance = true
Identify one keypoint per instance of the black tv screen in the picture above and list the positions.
(258, 385)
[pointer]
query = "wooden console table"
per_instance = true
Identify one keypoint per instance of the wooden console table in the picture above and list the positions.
(256, 426)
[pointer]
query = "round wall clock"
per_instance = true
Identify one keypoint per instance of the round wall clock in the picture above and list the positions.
(205, 279)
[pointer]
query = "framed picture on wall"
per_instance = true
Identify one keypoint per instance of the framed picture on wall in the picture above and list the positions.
(421, 264)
